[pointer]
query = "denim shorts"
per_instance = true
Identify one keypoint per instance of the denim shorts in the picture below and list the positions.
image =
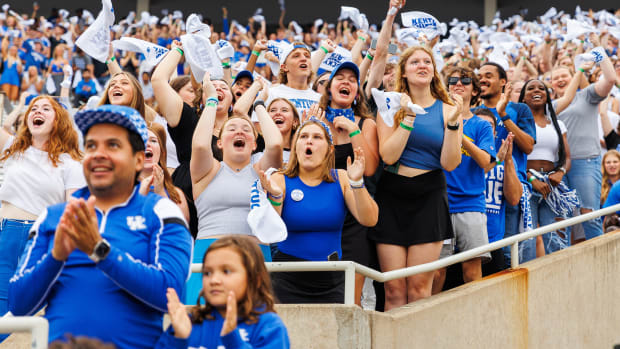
(13, 238)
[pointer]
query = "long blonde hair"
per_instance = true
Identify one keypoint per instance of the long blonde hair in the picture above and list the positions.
(438, 90)
(606, 185)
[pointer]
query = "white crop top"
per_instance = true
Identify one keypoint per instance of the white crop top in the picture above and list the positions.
(31, 182)
(547, 146)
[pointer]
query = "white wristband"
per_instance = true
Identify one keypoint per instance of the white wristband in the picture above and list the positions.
(357, 183)
(65, 83)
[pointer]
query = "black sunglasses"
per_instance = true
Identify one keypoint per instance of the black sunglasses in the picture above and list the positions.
(453, 80)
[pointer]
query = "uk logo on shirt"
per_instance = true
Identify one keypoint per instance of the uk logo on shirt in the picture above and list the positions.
(136, 222)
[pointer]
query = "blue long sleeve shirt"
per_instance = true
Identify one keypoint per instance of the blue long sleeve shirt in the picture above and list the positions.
(268, 333)
(122, 298)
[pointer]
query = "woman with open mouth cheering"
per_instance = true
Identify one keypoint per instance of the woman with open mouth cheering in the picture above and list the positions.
(42, 167)
(222, 188)
(313, 197)
(348, 119)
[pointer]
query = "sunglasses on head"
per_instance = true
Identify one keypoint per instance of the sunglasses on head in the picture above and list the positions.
(453, 80)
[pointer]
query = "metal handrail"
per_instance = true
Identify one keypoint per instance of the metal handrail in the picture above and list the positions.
(350, 268)
(36, 325)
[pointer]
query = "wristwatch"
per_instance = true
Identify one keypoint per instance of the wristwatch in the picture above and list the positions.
(562, 169)
(101, 251)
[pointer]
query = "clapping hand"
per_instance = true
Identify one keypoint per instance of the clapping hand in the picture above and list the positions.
(181, 322)
(355, 169)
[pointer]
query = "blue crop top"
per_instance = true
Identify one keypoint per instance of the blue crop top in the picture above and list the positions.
(314, 223)
(423, 149)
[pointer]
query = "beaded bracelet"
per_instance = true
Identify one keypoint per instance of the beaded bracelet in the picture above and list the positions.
(275, 197)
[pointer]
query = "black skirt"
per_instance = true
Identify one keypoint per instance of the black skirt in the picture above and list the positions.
(412, 210)
(306, 287)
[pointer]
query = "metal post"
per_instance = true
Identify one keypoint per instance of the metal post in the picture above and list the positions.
(142, 5)
(349, 284)
(490, 7)
(514, 255)
(36, 325)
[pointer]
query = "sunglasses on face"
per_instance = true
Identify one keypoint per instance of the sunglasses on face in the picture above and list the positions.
(453, 80)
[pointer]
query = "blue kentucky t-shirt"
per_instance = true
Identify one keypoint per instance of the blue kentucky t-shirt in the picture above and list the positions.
(466, 183)
(522, 116)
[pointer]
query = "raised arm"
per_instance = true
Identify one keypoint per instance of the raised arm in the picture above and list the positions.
(202, 161)
(377, 69)
(512, 186)
(564, 101)
(326, 46)
(392, 141)
(524, 141)
(450, 156)
(169, 101)
(360, 44)
(259, 46)
(272, 157)
(243, 104)
(357, 198)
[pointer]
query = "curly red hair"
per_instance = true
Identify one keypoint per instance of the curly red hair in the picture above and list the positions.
(62, 139)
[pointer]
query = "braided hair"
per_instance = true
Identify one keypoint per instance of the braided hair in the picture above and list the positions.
(554, 120)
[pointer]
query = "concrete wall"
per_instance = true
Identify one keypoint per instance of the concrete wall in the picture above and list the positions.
(569, 299)
(566, 300)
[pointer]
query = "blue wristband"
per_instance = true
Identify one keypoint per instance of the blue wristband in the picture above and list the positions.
(505, 117)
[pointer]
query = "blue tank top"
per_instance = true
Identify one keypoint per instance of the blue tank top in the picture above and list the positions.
(423, 149)
(314, 217)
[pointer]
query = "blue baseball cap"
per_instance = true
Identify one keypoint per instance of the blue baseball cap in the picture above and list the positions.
(346, 65)
(120, 115)
(244, 74)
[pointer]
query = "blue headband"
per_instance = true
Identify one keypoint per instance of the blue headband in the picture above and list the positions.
(314, 119)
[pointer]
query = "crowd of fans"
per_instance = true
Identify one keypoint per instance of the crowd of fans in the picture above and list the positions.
(391, 145)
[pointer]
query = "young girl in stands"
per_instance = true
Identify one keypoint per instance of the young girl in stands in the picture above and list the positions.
(239, 304)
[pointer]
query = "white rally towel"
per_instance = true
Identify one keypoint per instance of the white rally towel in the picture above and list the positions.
(95, 40)
(49, 85)
(278, 49)
(388, 103)
(427, 24)
(359, 19)
(224, 49)
(334, 59)
(576, 28)
(265, 223)
(198, 50)
(153, 53)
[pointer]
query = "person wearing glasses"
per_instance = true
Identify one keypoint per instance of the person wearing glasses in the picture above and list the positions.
(466, 183)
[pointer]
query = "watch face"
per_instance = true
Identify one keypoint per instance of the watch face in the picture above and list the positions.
(102, 249)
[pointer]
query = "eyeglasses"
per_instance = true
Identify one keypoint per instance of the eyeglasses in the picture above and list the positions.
(453, 80)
